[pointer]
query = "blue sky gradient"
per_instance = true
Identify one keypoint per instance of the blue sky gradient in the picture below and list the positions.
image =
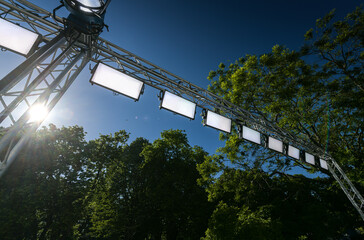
(188, 38)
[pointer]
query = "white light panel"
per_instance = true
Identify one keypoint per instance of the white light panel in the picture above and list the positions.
(323, 164)
(178, 105)
(309, 158)
(217, 121)
(251, 135)
(16, 38)
(275, 144)
(117, 81)
(293, 152)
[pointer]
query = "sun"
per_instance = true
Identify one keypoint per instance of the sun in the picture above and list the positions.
(37, 113)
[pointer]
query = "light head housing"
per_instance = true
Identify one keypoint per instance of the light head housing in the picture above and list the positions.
(87, 16)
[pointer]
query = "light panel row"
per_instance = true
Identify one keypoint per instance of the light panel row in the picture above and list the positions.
(23, 41)
(278, 146)
(119, 82)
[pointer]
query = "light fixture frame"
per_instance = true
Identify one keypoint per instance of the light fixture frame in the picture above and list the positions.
(274, 139)
(314, 159)
(93, 71)
(205, 113)
(320, 164)
(32, 49)
(241, 134)
(177, 113)
(294, 148)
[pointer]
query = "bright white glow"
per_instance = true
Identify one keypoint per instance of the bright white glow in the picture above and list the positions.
(323, 164)
(219, 122)
(89, 3)
(16, 38)
(117, 81)
(178, 105)
(275, 144)
(37, 113)
(310, 158)
(251, 135)
(293, 152)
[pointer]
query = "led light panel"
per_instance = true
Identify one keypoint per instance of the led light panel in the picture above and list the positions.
(117, 81)
(309, 158)
(251, 135)
(323, 164)
(217, 121)
(293, 152)
(16, 38)
(178, 105)
(275, 144)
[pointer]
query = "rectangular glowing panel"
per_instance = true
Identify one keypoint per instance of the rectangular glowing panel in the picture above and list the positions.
(293, 152)
(117, 81)
(251, 135)
(178, 105)
(309, 158)
(219, 122)
(16, 38)
(275, 144)
(323, 164)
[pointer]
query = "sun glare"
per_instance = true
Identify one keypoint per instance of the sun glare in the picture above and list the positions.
(38, 113)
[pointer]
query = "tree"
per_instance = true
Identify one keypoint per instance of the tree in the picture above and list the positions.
(149, 191)
(41, 195)
(316, 94)
(256, 205)
(320, 103)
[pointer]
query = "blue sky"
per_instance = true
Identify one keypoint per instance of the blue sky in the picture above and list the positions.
(188, 38)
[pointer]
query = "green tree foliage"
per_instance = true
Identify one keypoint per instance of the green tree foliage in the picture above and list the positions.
(316, 93)
(42, 194)
(63, 187)
(256, 205)
(315, 97)
(155, 191)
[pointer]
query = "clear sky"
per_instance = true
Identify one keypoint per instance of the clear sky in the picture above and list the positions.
(188, 38)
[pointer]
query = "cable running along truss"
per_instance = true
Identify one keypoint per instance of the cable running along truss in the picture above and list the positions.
(64, 52)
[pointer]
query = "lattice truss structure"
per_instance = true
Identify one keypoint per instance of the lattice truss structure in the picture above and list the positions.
(48, 73)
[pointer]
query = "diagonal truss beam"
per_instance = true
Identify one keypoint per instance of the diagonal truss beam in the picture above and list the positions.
(41, 21)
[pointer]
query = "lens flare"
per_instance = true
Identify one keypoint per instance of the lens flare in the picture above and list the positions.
(38, 113)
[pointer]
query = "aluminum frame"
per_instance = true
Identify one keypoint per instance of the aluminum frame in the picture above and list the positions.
(94, 83)
(177, 113)
(31, 50)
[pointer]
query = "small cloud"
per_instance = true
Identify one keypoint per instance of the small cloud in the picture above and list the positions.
(136, 117)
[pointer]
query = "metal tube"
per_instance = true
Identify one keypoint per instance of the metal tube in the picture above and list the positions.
(45, 95)
(10, 80)
(25, 138)
(5, 113)
(5, 140)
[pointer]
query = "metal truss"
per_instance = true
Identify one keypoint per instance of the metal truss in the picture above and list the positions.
(49, 26)
(42, 80)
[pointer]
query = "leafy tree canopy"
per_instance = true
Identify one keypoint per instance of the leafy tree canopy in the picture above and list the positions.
(317, 94)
